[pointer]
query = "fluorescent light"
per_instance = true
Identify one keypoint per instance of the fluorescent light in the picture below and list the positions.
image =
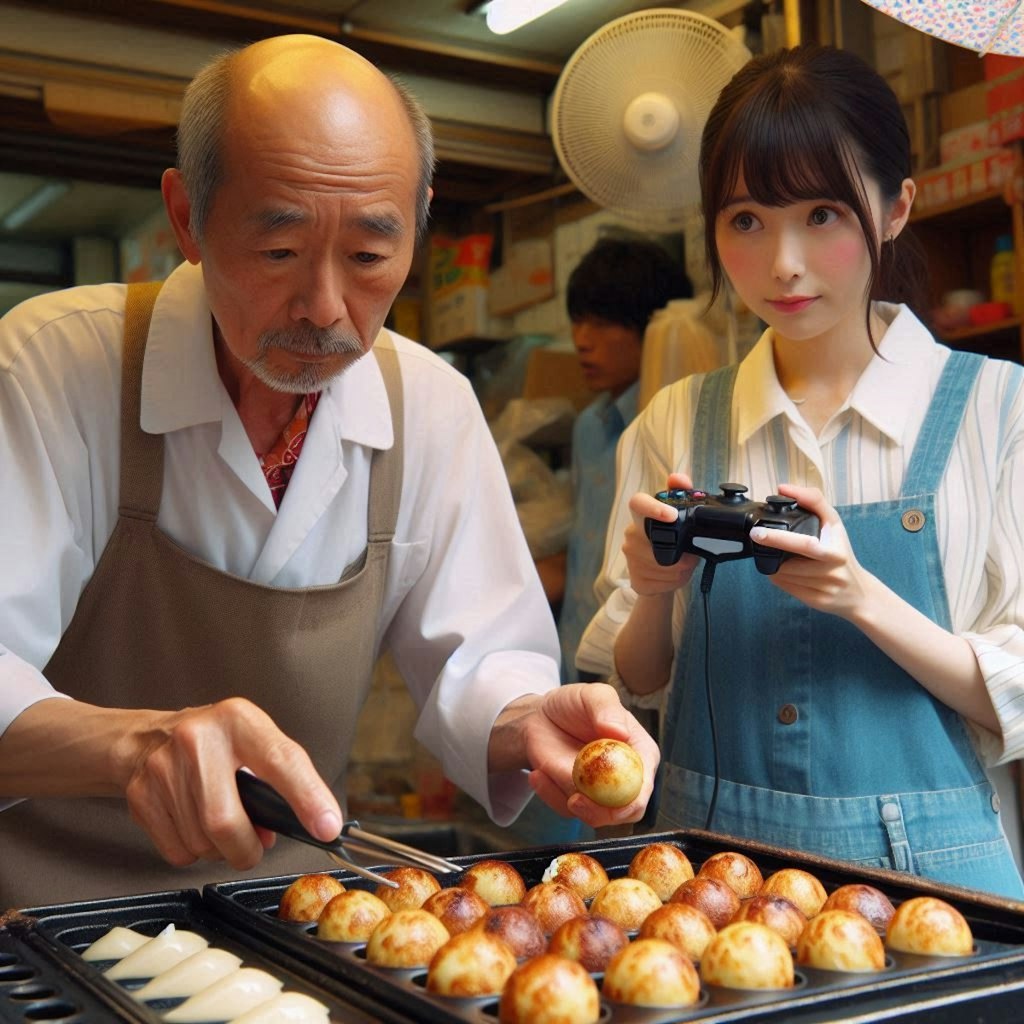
(505, 16)
(34, 204)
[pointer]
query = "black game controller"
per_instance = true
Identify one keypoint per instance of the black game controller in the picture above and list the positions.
(717, 527)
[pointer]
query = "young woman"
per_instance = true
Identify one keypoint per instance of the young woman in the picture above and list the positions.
(858, 692)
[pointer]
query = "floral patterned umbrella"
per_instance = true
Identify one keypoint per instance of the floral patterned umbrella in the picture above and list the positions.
(994, 26)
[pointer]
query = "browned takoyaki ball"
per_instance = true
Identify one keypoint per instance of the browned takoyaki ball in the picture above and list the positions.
(840, 940)
(662, 866)
(800, 887)
(712, 897)
(307, 896)
(747, 955)
(408, 938)
(737, 870)
(457, 909)
(627, 901)
(579, 871)
(777, 913)
(414, 887)
(549, 989)
(470, 964)
(865, 900)
(518, 927)
(651, 972)
(930, 926)
(590, 940)
(495, 881)
(351, 916)
(686, 927)
(552, 903)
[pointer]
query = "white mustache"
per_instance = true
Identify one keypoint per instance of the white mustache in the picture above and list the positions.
(306, 340)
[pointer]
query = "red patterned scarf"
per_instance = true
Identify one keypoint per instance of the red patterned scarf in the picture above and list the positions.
(279, 463)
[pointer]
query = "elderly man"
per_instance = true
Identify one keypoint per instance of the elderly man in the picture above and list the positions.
(183, 592)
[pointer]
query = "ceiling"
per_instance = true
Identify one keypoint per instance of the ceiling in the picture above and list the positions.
(109, 190)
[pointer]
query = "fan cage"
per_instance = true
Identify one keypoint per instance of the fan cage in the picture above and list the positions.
(630, 56)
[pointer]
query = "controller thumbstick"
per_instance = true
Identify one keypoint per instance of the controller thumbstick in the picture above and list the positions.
(733, 492)
(780, 503)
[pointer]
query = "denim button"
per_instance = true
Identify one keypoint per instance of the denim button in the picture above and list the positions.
(788, 714)
(890, 812)
(913, 520)
(995, 802)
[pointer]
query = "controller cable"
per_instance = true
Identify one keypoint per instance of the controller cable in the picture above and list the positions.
(706, 579)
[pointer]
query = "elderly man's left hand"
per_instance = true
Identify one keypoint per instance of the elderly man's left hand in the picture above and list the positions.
(552, 728)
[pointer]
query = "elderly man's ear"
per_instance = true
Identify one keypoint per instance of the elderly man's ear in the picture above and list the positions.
(178, 209)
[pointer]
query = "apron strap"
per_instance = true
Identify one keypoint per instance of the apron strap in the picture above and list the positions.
(386, 474)
(934, 444)
(142, 454)
(709, 452)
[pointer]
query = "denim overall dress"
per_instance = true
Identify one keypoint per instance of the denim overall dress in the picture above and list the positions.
(826, 745)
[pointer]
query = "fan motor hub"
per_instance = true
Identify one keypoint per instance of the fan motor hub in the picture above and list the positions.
(651, 121)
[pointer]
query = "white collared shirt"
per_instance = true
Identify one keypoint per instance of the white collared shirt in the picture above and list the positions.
(978, 505)
(464, 614)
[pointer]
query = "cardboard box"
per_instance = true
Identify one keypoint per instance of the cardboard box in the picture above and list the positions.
(459, 279)
(984, 172)
(1006, 126)
(964, 141)
(525, 278)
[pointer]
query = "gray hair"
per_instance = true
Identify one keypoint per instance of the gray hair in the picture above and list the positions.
(201, 131)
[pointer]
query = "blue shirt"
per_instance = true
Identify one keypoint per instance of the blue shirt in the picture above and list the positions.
(595, 436)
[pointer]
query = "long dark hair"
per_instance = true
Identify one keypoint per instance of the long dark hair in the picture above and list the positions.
(797, 124)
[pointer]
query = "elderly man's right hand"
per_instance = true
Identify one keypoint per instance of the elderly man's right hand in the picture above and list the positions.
(176, 769)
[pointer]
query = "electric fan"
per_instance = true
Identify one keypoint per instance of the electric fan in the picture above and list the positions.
(629, 108)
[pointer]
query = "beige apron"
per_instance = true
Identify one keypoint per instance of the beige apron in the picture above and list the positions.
(157, 627)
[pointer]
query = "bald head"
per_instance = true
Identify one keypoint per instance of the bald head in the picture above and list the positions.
(308, 86)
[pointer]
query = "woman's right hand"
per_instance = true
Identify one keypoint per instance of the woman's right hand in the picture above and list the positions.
(646, 576)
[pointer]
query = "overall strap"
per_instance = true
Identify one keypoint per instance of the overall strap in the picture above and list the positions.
(142, 454)
(386, 475)
(942, 423)
(709, 452)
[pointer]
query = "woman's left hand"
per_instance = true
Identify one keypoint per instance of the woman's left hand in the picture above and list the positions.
(827, 576)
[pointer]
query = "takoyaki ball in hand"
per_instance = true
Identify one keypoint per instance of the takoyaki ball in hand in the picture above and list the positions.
(627, 901)
(777, 913)
(549, 990)
(840, 940)
(457, 909)
(579, 871)
(662, 866)
(518, 927)
(415, 886)
(470, 964)
(865, 900)
(800, 887)
(931, 927)
(590, 940)
(408, 938)
(737, 870)
(495, 881)
(711, 896)
(686, 927)
(651, 972)
(553, 903)
(307, 896)
(609, 772)
(351, 916)
(747, 955)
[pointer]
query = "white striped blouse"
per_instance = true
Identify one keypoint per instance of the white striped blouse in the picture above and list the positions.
(861, 456)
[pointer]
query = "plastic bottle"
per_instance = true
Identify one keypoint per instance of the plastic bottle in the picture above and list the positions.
(1003, 272)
